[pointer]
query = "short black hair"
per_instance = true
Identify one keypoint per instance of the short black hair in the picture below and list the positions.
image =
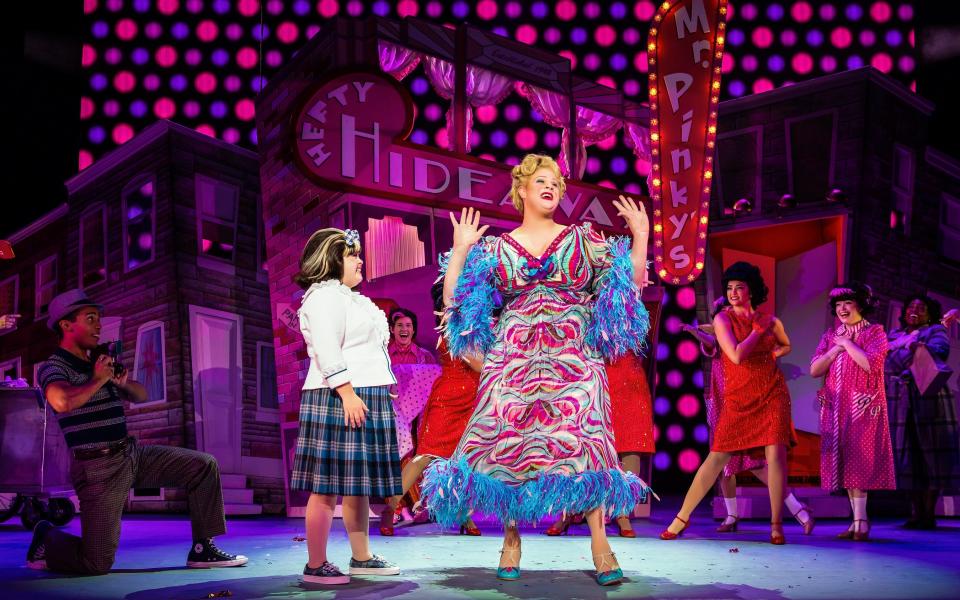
(934, 308)
(436, 294)
(71, 316)
(856, 291)
(750, 275)
(403, 312)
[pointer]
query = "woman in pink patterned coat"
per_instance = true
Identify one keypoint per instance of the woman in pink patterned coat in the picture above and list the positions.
(855, 449)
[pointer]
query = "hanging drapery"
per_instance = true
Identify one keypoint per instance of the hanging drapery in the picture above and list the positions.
(638, 137)
(397, 60)
(483, 88)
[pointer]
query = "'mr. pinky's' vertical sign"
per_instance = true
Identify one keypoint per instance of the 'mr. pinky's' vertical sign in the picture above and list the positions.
(685, 49)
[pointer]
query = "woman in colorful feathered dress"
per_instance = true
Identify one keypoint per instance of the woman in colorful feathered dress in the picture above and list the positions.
(539, 441)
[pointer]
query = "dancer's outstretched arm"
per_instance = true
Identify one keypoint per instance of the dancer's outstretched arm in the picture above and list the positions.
(635, 214)
(466, 233)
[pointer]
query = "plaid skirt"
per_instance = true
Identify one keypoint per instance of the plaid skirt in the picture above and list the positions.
(926, 436)
(334, 459)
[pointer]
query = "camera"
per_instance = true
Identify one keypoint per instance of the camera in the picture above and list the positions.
(113, 350)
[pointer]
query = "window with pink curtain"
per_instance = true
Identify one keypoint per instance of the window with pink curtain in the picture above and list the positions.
(397, 60)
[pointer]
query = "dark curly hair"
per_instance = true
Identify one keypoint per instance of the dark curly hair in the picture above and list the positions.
(395, 315)
(934, 308)
(750, 275)
(856, 291)
(436, 293)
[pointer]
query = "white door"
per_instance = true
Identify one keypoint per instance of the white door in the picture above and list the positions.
(804, 282)
(215, 342)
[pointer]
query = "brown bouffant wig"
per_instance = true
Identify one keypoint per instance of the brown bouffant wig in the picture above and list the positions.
(856, 291)
(934, 308)
(527, 167)
(750, 275)
(322, 257)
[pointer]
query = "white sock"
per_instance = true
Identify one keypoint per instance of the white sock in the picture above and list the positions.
(859, 513)
(731, 504)
(793, 505)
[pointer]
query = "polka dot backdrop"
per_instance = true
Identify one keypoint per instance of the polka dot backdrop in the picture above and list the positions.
(202, 62)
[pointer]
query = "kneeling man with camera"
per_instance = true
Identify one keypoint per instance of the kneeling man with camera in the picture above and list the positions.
(85, 386)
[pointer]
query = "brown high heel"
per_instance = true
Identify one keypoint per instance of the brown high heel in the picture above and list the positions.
(729, 527)
(811, 521)
(668, 535)
(776, 536)
(858, 535)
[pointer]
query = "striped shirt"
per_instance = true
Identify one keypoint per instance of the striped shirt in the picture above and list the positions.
(101, 420)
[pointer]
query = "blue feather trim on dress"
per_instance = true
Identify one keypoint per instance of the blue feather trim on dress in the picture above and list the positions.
(620, 321)
(468, 327)
(454, 490)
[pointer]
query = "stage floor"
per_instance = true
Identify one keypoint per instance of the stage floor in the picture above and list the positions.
(701, 564)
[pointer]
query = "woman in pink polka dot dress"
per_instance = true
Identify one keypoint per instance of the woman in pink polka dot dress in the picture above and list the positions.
(855, 449)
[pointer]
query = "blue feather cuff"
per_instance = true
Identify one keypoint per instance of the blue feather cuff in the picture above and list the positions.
(468, 327)
(452, 491)
(619, 322)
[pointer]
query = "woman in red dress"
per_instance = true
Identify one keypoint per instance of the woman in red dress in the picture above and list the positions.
(449, 407)
(631, 409)
(756, 402)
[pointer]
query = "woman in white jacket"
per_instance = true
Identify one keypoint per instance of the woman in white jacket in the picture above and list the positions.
(347, 443)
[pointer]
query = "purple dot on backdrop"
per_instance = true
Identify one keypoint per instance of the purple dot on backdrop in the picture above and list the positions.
(419, 86)
(140, 56)
(501, 31)
(274, 58)
(180, 30)
(854, 62)
(111, 108)
(578, 35)
(512, 112)
(539, 10)
(775, 63)
(633, 188)
(674, 378)
(218, 109)
(354, 8)
(667, 297)
(151, 82)
(673, 324)
(141, 6)
(814, 38)
(475, 138)
(618, 165)
(260, 32)
(661, 405)
(460, 9)
(257, 83)
(674, 433)
(854, 12)
(618, 10)
(513, 10)
(499, 139)
(220, 57)
(736, 88)
(275, 7)
(697, 379)
(191, 108)
(419, 136)
(253, 136)
(893, 38)
(301, 7)
(661, 461)
(749, 63)
(701, 434)
(178, 82)
(138, 108)
(153, 30)
(827, 12)
(552, 35)
(193, 57)
(591, 10)
(867, 38)
(618, 62)
(112, 56)
(434, 9)
(221, 6)
(512, 160)
(98, 81)
(663, 351)
(775, 12)
(535, 116)
(96, 134)
(906, 64)
(432, 112)
(195, 6)
(788, 37)
(593, 165)
(551, 139)
(828, 64)
(905, 12)
(748, 12)
(631, 36)
(591, 62)
(631, 87)
(100, 29)
(735, 36)
(231, 135)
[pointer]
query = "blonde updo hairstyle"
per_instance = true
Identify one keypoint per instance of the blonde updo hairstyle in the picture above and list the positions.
(528, 166)
(322, 257)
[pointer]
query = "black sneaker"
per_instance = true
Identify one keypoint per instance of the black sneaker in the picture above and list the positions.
(206, 555)
(375, 565)
(37, 552)
(325, 574)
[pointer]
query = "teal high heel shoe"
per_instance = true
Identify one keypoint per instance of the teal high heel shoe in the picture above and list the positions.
(509, 573)
(609, 576)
